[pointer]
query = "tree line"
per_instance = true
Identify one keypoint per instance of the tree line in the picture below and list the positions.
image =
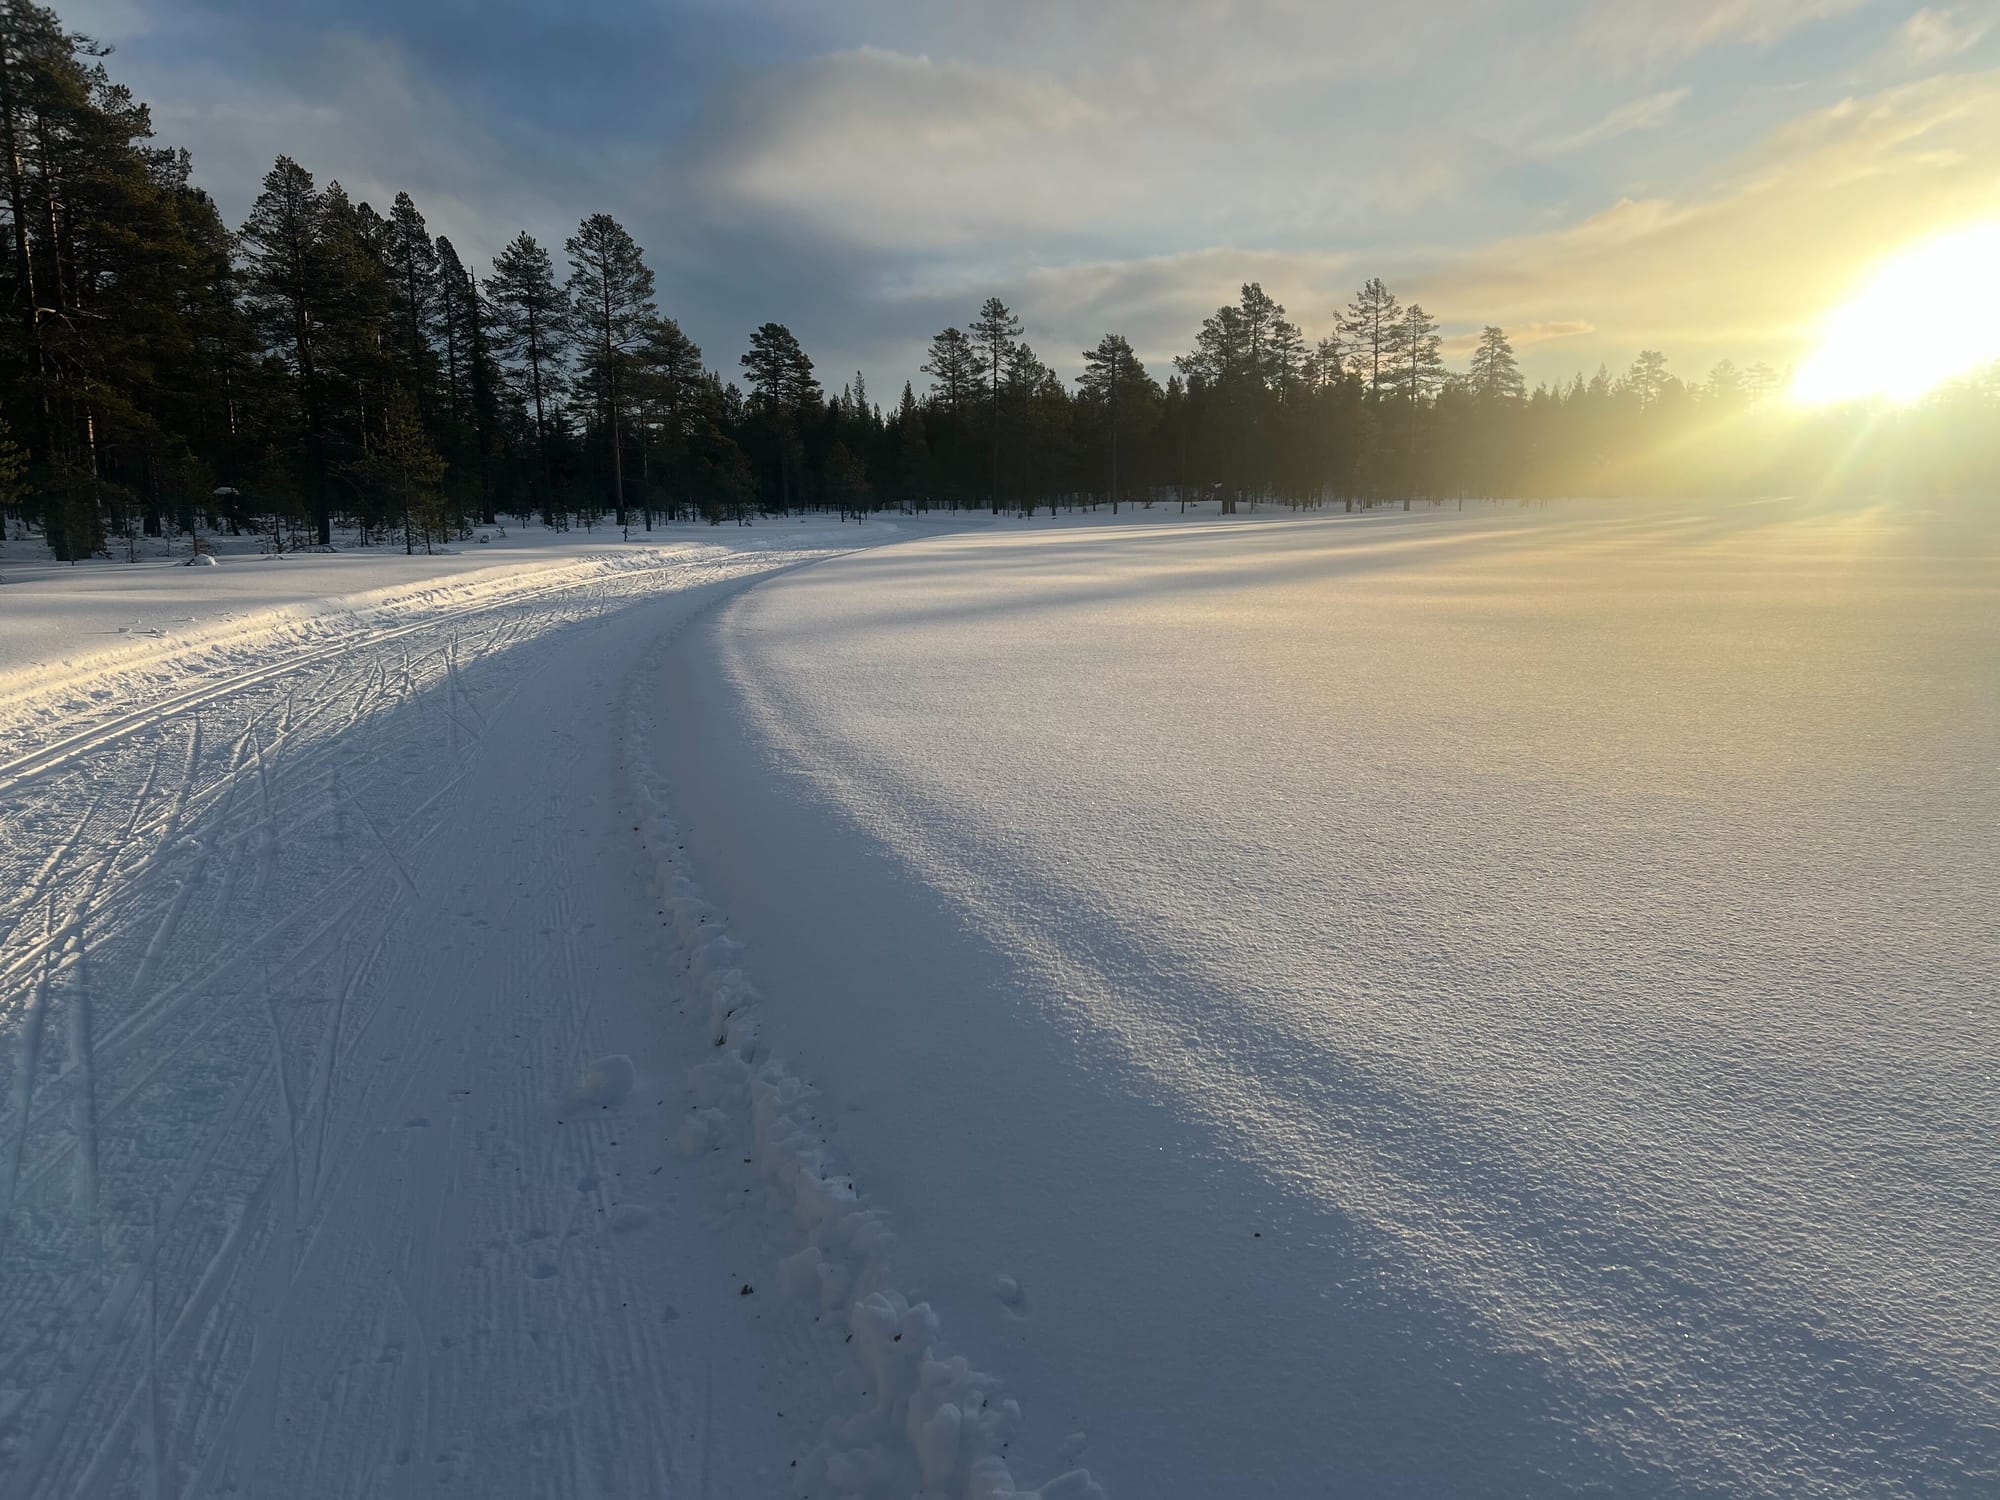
(325, 363)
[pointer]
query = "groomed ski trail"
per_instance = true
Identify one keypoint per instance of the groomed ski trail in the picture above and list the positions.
(348, 997)
(233, 1258)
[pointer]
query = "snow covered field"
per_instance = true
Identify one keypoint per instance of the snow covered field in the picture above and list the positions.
(1433, 1005)
(1440, 1004)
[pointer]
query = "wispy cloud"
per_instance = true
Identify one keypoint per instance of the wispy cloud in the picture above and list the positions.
(1669, 29)
(1525, 337)
(1649, 113)
(1932, 35)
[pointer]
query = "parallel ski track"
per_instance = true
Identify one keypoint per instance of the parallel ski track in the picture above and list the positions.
(231, 925)
(26, 769)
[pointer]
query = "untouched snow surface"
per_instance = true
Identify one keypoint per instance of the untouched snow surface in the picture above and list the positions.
(1423, 1005)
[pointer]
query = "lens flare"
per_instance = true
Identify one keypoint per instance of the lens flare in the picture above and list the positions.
(1930, 314)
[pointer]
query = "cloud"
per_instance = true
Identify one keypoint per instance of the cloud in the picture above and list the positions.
(875, 145)
(1739, 264)
(1664, 30)
(1747, 269)
(1649, 113)
(908, 152)
(353, 110)
(1930, 36)
(867, 172)
(1525, 337)
(96, 18)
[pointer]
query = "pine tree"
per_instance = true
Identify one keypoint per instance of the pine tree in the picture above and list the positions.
(913, 454)
(484, 383)
(953, 368)
(1418, 375)
(450, 327)
(780, 372)
(1419, 363)
(611, 290)
(287, 284)
(1112, 374)
(407, 468)
(13, 471)
(357, 336)
(1329, 364)
(668, 373)
(415, 265)
(994, 333)
(531, 333)
(1495, 374)
(1648, 379)
(846, 481)
(37, 75)
(784, 394)
(1373, 324)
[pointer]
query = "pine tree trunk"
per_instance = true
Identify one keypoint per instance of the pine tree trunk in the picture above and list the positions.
(480, 403)
(541, 421)
(24, 265)
(1114, 447)
(611, 403)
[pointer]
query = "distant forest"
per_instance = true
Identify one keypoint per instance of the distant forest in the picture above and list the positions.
(327, 364)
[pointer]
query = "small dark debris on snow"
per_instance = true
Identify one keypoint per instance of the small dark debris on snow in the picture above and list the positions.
(747, 1290)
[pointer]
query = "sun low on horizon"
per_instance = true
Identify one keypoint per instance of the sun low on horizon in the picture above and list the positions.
(1926, 316)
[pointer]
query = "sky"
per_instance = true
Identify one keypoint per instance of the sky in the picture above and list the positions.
(1703, 177)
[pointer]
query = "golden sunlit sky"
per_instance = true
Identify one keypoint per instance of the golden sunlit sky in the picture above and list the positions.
(1706, 177)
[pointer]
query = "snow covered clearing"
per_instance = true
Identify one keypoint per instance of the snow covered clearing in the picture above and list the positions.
(1402, 1005)
(1491, 1003)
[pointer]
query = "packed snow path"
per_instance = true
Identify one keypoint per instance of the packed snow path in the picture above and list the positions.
(1497, 1004)
(308, 946)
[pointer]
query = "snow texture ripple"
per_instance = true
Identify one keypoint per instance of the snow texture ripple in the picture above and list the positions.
(1524, 981)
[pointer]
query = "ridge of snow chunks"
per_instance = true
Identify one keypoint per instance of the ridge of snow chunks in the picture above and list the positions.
(925, 1423)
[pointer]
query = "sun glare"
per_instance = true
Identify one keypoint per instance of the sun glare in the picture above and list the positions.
(1926, 316)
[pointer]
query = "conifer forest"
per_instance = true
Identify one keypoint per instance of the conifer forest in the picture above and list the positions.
(332, 363)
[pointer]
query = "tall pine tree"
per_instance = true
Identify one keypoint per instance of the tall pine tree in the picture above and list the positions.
(611, 297)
